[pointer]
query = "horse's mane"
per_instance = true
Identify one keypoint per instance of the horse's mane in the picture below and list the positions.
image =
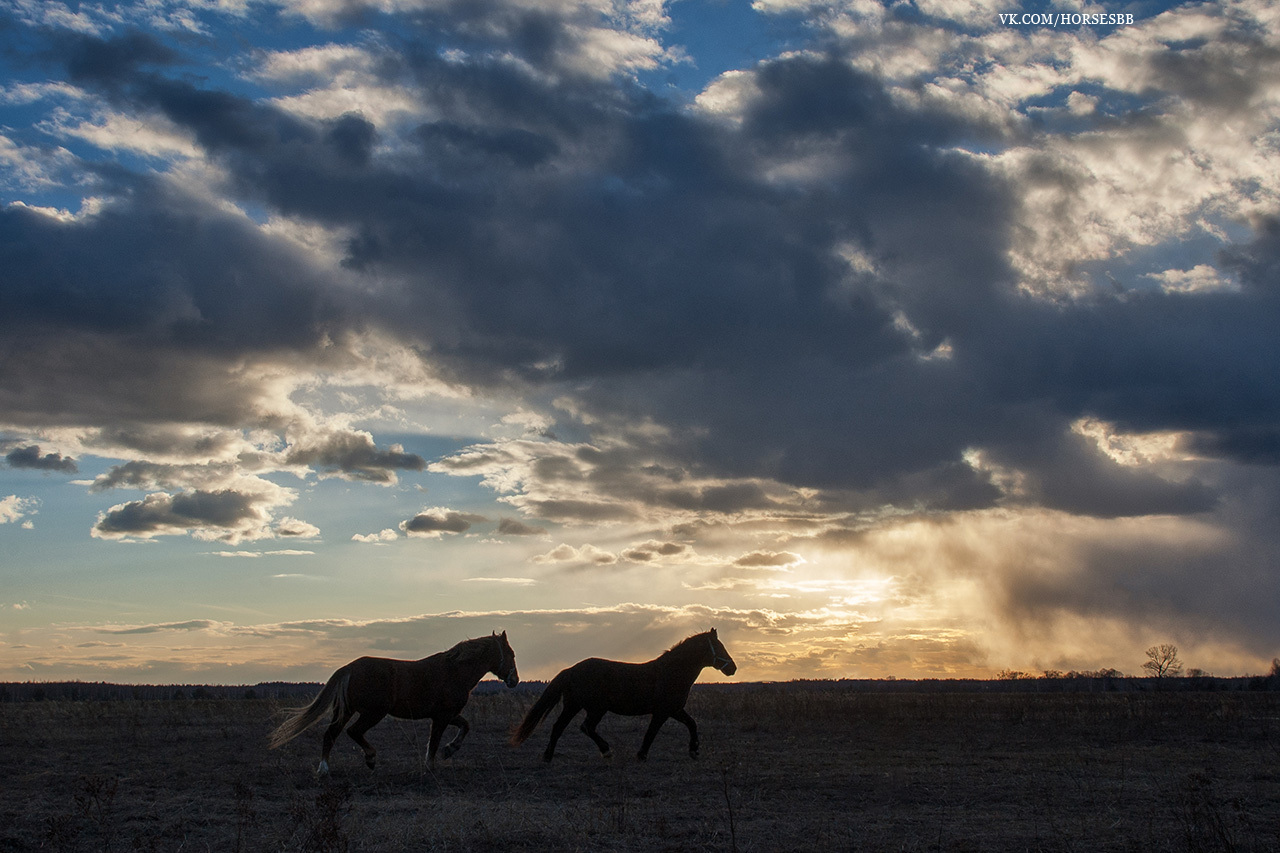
(467, 650)
(686, 641)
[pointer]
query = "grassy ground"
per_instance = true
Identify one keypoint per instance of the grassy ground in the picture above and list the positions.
(780, 770)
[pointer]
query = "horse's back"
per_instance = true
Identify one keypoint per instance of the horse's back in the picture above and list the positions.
(615, 686)
(402, 688)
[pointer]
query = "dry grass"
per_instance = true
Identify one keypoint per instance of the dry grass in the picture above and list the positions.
(782, 769)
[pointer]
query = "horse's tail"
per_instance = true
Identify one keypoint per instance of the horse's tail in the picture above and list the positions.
(540, 709)
(334, 693)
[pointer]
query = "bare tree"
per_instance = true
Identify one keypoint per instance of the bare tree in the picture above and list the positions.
(1162, 660)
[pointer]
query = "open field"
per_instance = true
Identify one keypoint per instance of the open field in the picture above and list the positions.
(781, 769)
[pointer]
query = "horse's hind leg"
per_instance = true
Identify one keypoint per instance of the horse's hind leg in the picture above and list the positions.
(682, 716)
(562, 722)
(368, 719)
(655, 723)
(589, 729)
(454, 745)
(438, 725)
(340, 719)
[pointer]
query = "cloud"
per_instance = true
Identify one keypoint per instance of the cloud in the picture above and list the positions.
(149, 340)
(295, 528)
(768, 560)
(765, 643)
(253, 555)
(513, 527)
(190, 625)
(620, 480)
(503, 581)
(653, 550)
(585, 554)
(354, 456)
(436, 521)
(31, 457)
(14, 508)
(139, 474)
(224, 515)
(382, 536)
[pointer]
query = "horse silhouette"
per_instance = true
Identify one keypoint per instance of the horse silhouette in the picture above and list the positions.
(659, 687)
(436, 687)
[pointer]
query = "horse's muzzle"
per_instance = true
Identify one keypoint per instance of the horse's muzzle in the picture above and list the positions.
(511, 680)
(729, 668)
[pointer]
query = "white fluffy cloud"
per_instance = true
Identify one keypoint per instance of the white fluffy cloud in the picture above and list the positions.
(13, 508)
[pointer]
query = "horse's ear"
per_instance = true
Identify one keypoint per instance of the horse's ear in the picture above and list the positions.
(713, 632)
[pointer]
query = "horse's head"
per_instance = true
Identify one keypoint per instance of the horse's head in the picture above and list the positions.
(505, 668)
(720, 658)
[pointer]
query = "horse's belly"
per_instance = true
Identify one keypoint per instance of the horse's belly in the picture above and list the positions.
(638, 703)
(413, 713)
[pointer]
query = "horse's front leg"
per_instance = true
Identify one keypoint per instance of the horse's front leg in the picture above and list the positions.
(682, 716)
(452, 746)
(655, 723)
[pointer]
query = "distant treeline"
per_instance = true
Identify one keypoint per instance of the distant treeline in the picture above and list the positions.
(1042, 684)
(101, 691)
(87, 691)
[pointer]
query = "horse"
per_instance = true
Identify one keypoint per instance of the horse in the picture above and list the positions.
(659, 687)
(436, 687)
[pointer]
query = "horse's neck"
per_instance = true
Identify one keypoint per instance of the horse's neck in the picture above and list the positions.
(473, 668)
(685, 660)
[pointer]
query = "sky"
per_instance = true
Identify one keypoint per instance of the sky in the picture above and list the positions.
(915, 339)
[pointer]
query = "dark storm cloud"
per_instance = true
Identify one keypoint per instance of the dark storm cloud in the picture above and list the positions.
(91, 58)
(690, 236)
(31, 457)
(573, 228)
(127, 318)
(161, 266)
(1250, 445)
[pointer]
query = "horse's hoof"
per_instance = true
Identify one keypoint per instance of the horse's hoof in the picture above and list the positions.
(607, 756)
(370, 763)
(448, 752)
(693, 753)
(642, 756)
(323, 769)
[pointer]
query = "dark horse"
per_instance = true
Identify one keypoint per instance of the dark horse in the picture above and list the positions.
(659, 687)
(437, 687)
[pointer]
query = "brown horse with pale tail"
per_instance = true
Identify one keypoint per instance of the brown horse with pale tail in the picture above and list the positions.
(436, 687)
(659, 687)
